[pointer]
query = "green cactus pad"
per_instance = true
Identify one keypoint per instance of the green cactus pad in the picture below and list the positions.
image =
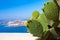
(50, 10)
(42, 20)
(35, 28)
(35, 14)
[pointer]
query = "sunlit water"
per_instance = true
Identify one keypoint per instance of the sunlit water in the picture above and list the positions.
(18, 29)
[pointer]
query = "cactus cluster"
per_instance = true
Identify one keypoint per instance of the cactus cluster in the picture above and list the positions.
(45, 25)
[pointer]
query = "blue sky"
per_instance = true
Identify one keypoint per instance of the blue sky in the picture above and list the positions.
(19, 9)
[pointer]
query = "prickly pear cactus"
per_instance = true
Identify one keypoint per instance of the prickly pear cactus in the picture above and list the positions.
(45, 26)
(33, 25)
(35, 14)
(50, 10)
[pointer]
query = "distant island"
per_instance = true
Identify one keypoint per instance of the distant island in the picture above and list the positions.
(12, 22)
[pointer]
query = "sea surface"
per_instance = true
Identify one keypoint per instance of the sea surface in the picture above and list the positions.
(16, 29)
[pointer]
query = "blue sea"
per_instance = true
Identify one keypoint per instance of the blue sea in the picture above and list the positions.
(18, 29)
